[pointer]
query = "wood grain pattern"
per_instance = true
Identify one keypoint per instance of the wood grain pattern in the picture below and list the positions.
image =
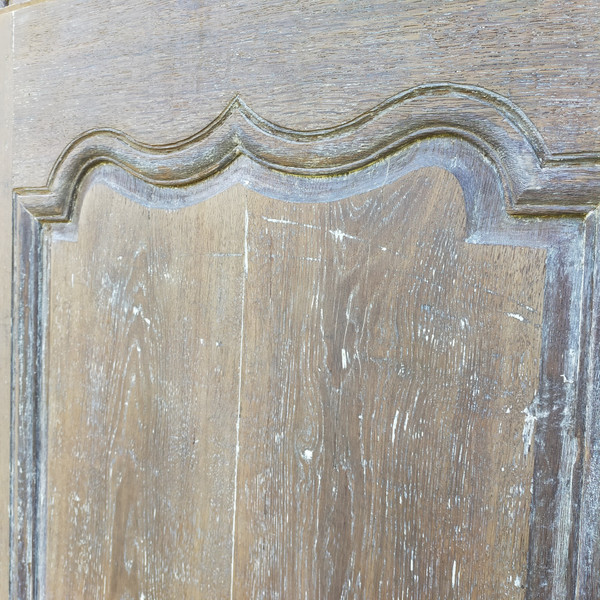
(587, 583)
(144, 341)
(366, 331)
(386, 369)
(556, 418)
(161, 71)
(533, 180)
(305, 65)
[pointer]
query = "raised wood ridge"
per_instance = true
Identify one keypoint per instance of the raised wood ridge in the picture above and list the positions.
(534, 180)
(502, 164)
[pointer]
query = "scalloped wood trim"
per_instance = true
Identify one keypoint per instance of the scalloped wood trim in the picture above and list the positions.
(506, 168)
(535, 181)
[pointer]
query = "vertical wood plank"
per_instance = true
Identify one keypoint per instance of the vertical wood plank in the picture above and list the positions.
(144, 342)
(388, 371)
(28, 418)
(587, 584)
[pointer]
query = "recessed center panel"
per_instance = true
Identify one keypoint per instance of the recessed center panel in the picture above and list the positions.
(381, 368)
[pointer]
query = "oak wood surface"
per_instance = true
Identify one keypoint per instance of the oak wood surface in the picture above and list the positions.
(386, 368)
(144, 342)
(304, 65)
(556, 417)
(588, 580)
(162, 70)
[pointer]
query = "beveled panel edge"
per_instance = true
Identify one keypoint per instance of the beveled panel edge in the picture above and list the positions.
(536, 182)
(427, 126)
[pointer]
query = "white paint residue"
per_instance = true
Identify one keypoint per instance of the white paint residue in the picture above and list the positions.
(345, 359)
(516, 316)
(340, 235)
(453, 574)
(406, 421)
(349, 306)
(528, 428)
(395, 424)
(311, 258)
(246, 243)
(282, 221)
(308, 454)
(517, 581)
(142, 596)
(286, 222)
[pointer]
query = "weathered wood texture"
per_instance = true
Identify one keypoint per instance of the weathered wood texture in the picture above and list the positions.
(5, 287)
(143, 363)
(161, 71)
(385, 368)
(588, 551)
(84, 65)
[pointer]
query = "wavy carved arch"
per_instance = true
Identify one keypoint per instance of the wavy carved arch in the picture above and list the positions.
(489, 144)
(534, 180)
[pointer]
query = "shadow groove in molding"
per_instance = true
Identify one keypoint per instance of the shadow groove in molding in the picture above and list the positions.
(534, 180)
(490, 146)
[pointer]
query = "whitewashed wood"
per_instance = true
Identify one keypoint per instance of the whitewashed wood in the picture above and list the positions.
(382, 449)
(97, 315)
(534, 180)
(143, 378)
(556, 484)
(161, 70)
(588, 552)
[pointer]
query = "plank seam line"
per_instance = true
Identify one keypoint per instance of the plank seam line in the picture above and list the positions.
(237, 426)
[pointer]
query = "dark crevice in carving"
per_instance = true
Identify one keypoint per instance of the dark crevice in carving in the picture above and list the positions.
(537, 182)
(506, 163)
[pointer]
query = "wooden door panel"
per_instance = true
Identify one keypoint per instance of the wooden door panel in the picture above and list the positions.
(143, 376)
(387, 368)
(385, 406)
(376, 442)
(303, 299)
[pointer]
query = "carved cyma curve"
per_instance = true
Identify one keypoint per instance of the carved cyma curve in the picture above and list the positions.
(493, 149)
(534, 181)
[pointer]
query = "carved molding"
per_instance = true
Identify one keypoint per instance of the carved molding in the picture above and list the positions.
(535, 181)
(506, 168)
